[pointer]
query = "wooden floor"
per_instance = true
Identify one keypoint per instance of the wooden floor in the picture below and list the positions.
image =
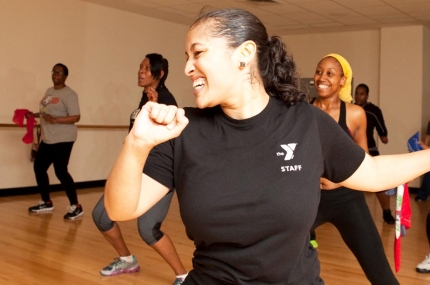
(45, 249)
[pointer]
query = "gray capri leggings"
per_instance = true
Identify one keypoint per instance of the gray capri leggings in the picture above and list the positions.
(148, 224)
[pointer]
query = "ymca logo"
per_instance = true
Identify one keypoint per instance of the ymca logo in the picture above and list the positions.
(289, 155)
(289, 149)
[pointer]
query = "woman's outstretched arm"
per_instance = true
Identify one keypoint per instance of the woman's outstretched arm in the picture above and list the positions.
(388, 171)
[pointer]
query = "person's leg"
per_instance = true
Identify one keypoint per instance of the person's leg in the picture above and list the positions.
(319, 220)
(149, 225)
(358, 230)
(61, 162)
(428, 227)
(424, 191)
(424, 266)
(313, 235)
(41, 164)
(114, 237)
(112, 232)
(384, 201)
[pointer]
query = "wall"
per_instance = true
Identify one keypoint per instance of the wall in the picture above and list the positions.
(402, 86)
(102, 48)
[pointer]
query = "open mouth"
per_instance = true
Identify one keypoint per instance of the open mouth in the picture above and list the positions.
(199, 83)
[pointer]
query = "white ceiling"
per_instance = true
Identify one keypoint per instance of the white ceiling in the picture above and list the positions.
(285, 17)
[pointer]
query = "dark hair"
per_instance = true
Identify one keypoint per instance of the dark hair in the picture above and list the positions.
(364, 86)
(66, 70)
(158, 63)
(275, 66)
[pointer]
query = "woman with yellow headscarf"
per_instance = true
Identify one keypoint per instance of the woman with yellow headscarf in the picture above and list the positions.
(347, 209)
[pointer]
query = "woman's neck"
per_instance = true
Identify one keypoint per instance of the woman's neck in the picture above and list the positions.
(327, 103)
(248, 105)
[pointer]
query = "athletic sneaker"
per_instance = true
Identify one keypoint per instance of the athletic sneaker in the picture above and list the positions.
(424, 267)
(121, 266)
(314, 243)
(178, 281)
(74, 212)
(41, 207)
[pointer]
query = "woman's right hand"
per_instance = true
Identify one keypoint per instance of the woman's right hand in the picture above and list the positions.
(157, 123)
(28, 115)
(326, 184)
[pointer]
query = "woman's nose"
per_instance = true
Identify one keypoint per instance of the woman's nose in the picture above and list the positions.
(189, 68)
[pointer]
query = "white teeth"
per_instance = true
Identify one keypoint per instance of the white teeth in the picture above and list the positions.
(323, 86)
(199, 83)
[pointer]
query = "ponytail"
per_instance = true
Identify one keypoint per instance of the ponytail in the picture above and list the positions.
(279, 74)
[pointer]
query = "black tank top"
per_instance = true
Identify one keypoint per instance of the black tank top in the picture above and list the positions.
(342, 193)
(342, 117)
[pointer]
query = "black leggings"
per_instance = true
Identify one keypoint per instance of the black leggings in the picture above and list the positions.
(347, 210)
(148, 224)
(428, 227)
(59, 155)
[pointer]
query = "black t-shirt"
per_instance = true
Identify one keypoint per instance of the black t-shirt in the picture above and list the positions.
(164, 97)
(249, 190)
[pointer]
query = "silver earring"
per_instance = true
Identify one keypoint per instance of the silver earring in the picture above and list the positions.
(241, 64)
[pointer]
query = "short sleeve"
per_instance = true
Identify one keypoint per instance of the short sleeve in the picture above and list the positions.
(72, 104)
(159, 165)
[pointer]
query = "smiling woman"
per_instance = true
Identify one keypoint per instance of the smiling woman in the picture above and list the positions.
(347, 209)
(223, 158)
(152, 75)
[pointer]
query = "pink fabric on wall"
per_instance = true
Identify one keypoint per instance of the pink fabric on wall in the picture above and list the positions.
(18, 118)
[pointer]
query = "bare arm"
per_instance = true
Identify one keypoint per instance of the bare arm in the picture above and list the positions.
(128, 192)
(29, 114)
(388, 171)
(357, 118)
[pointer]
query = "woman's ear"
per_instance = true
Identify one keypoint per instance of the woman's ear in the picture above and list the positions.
(245, 53)
(343, 81)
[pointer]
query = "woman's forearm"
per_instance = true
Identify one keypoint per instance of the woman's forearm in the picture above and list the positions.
(388, 171)
(123, 185)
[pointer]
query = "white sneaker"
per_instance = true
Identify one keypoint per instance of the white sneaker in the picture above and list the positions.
(424, 267)
(120, 266)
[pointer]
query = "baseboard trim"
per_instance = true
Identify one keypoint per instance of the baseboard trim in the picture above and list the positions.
(52, 188)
